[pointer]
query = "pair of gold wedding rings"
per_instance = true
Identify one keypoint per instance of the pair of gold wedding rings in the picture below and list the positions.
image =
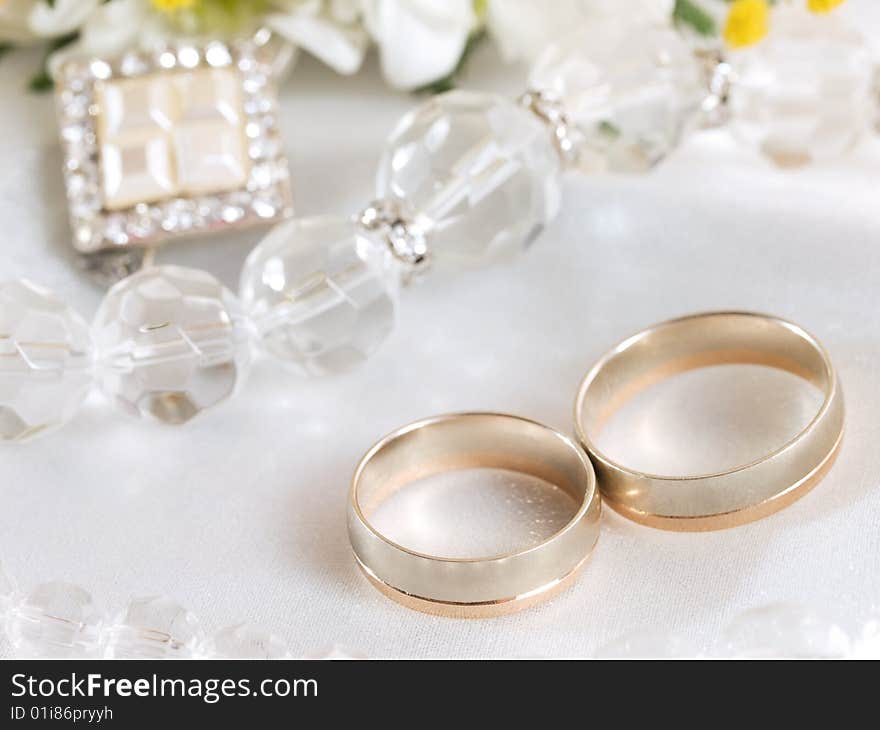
(500, 584)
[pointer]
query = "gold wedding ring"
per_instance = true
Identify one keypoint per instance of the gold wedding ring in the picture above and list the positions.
(733, 496)
(473, 587)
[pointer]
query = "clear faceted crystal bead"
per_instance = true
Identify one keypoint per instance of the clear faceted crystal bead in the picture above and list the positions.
(784, 631)
(153, 627)
(804, 92)
(482, 173)
(171, 342)
(631, 88)
(55, 620)
(45, 361)
(244, 641)
(322, 293)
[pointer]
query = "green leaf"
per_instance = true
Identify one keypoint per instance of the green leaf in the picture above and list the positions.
(609, 129)
(5, 48)
(689, 13)
(60, 42)
(42, 80)
(441, 86)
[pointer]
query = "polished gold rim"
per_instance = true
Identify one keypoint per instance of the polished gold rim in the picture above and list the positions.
(473, 587)
(734, 496)
(489, 609)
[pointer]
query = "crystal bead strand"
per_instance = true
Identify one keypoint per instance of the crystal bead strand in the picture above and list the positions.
(465, 179)
(631, 90)
(61, 620)
(55, 620)
(167, 342)
(469, 178)
(805, 93)
(476, 174)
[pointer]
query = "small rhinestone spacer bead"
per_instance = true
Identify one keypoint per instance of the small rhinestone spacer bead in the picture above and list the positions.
(548, 107)
(405, 238)
(719, 81)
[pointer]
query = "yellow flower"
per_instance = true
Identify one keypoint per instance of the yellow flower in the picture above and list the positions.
(169, 6)
(823, 6)
(747, 22)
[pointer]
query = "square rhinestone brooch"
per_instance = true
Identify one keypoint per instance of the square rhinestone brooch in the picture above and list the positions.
(179, 141)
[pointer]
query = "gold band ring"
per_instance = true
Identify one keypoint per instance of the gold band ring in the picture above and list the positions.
(473, 587)
(733, 496)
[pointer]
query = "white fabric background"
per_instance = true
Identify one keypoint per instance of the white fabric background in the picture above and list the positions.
(240, 515)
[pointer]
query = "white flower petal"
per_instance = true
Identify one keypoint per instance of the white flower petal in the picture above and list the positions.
(522, 29)
(298, 7)
(114, 27)
(345, 11)
(14, 21)
(63, 17)
(420, 41)
(340, 47)
(111, 29)
(658, 11)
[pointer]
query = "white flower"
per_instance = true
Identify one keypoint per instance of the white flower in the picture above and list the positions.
(522, 29)
(328, 30)
(22, 21)
(111, 29)
(657, 11)
(14, 22)
(419, 41)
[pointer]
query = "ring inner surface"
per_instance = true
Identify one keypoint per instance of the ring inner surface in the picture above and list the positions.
(725, 497)
(690, 344)
(472, 441)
